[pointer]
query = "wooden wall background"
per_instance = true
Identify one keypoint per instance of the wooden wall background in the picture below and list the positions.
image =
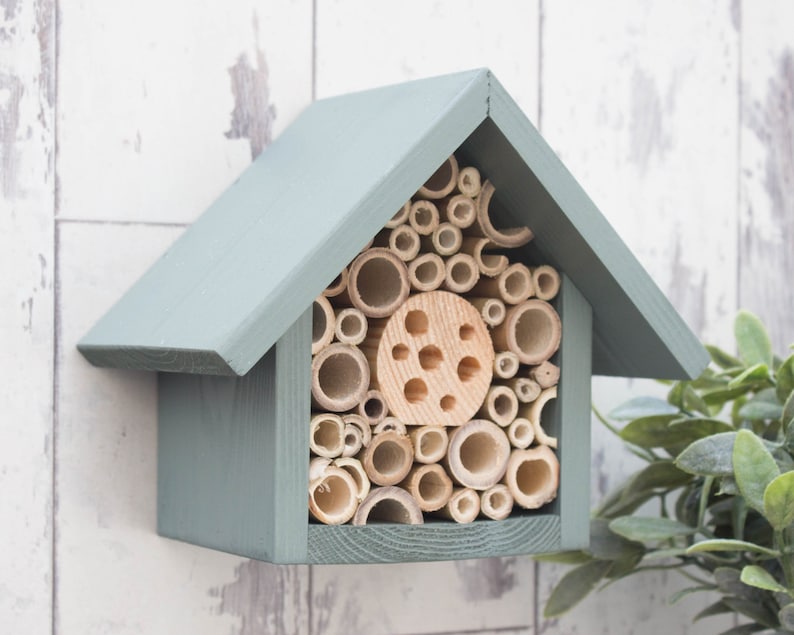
(121, 121)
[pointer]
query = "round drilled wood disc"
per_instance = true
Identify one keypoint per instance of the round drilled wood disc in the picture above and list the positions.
(435, 360)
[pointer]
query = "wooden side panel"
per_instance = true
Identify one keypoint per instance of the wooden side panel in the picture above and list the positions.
(27, 198)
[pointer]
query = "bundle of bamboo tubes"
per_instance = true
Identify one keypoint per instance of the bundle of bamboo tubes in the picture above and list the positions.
(431, 368)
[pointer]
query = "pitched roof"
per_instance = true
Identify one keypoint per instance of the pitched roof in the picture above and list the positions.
(233, 283)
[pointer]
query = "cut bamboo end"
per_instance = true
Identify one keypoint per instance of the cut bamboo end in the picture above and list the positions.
(434, 359)
(317, 467)
(426, 273)
(527, 390)
(469, 181)
(378, 282)
(461, 273)
(520, 433)
(533, 476)
(392, 424)
(496, 502)
(404, 242)
(327, 435)
(512, 237)
(534, 413)
(356, 470)
(340, 376)
(492, 310)
(512, 286)
(338, 285)
(445, 240)
(458, 210)
(362, 424)
(477, 454)
(388, 458)
(546, 281)
(546, 374)
(400, 217)
(462, 507)
(350, 326)
(323, 323)
(430, 443)
(531, 330)
(490, 265)
(429, 485)
(333, 498)
(390, 505)
(423, 217)
(354, 440)
(373, 407)
(500, 406)
(505, 364)
(442, 182)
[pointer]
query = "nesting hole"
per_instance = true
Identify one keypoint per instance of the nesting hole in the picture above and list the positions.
(374, 408)
(447, 403)
(423, 216)
(497, 500)
(326, 434)
(495, 312)
(339, 375)
(466, 332)
(502, 404)
(431, 486)
(404, 241)
(430, 357)
(399, 352)
(447, 238)
(333, 496)
(378, 282)
(350, 325)
(465, 505)
(468, 368)
(431, 443)
(517, 284)
(416, 322)
(534, 329)
(415, 390)
(389, 511)
(462, 211)
(319, 322)
(388, 458)
(427, 272)
(461, 272)
(522, 431)
(477, 452)
(532, 476)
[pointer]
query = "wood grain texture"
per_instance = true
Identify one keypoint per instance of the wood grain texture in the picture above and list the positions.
(27, 182)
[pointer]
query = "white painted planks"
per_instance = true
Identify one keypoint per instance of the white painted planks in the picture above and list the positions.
(27, 184)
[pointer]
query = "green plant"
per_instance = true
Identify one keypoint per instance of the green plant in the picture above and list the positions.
(719, 474)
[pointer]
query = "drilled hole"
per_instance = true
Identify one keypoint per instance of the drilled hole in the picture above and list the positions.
(399, 352)
(415, 390)
(447, 403)
(468, 368)
(430, 357)
(466, 332)
(416, 322)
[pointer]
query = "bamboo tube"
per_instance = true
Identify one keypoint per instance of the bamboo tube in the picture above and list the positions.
(545, 374)
(429, 485)
(361, 423)
(378, 283)
(520, 433)
(388, 458)
(317, 467)
(327, 435)
(323, 323)
(350, 326)
(500, 406)
(469, 181)
(354, 440)
(533, 413)
(462, 507)
(400, 217)
(426, 273)
(505, 364)
(338, 285)
(527, 390)
(373, 407)
(496, 502)
(445, 240)
(531, 330)
(356, 470)
(461, 273)
(533, 476)
(430, 443)
(404, 242)
(546, 281)
(442, 182)
(477, 454)
(388, 504)
(490, 265)
(492, 310)
(390, 423)
(423, 217)
(459, 210)
(512, 237)
(340, 376)
(513, 285)
(333, 498)
(432, 360)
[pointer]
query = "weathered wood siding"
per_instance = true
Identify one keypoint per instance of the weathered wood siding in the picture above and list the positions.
(121, 122)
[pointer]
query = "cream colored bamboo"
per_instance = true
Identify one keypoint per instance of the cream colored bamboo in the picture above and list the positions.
(462, 507)
(533, 412)
(338, 285)
(430, 486)
(362, 424)
(426, 272)
(356, 470)
(430, 443)
(546, 374)
(388, 458)
(323, 322)
(527, 390)
(327, 435)
(445, 240)
(533, 476)
(492, 310)
(512, 286)
(400, 217)
(317, 467)
(350, 326)
(339, 377)
(547, 282)
(442, 182)
(388, 504)
(496, 502)
(531, 330)
(423, 217)
(373, 407)
(354, 440)
(505, 364)
(477, 454)
(512, 237)
(520, 433)
(459, 210)
(469, 181)
(490, 265)
(500, 406)
(461, 273)
(404, 242)
(378, 283)
(390, 423)
(333, 498)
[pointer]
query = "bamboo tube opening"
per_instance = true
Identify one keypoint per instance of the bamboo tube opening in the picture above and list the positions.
(323, 323)
(500, 405)
(533, 476)
(390, 423)
(351, 326)
(497, 502)
(423, 217)
(373, 407)
(430, 443)
(400, 217)
(463, 506)
(340, 376)
(490, 265)
(429, 485)
(460, 210)
(505, 364)
(534, 411)
(327, 435)
(388, 504)
(531, 330)
(469, 181)
(378, 283)
(356, 470)
(334, 497)
(426, 273)
(337, 285)
(354, 441)
(442, 182)
(477, 454)
(511, 237)
(520, 433)
(527, 390)
(446, 239)
(362, 424)
(515, 284)
(404, 242)
(547, 282)
(461, 273)
(388, 458)
(492, 310)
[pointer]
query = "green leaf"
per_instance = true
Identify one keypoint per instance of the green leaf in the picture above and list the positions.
(744, 629)
(563, 557)
(730, 545)
(574, 587)
(607, 545)
(721, 358)
(779, 501)
(784, 379)
(760, 578)
(648, 528)
(788, 411)
(752, 339)
(753, 609)
(660, 475)
(721, 396)
(710, 456)
(750, 377)
(694, 402)
(753, 467)
(649, 432)
(662, 554)
(682, 593)
(699, 427)
(642, 407)
(763, 406)
(718, 608)
(786, 616)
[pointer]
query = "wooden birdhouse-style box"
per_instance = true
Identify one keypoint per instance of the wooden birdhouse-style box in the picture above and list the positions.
(227, 317)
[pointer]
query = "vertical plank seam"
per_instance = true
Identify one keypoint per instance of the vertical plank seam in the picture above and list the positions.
(314, 50)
